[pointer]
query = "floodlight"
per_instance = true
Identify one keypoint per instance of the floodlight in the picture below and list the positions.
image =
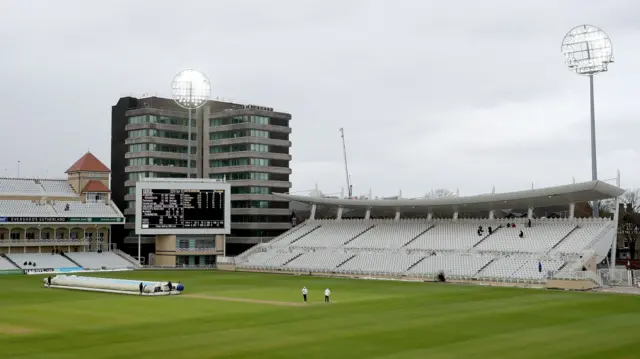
(190, 89)
(587, 50)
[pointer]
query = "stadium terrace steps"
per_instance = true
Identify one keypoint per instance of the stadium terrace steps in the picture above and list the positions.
(487, 236)
(345, 261)
(416, 263)
(563, 238)
(71, 260)
(7, 263)
(290, 237)
(292, 259)
(417, 236)
(358, 235)
(128, 258)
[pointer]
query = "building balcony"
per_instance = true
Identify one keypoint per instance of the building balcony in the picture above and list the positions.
(160, 140)
(164, 169)
(160, 126)
(43, 242)
(197, 251)
(251, 168)
(158, 154)
(261, 225)
(247, 154)
(129, 211)
(261, 211)
(258, 183)
(250, 126)
(249, 139)
(158, 111)
(248, 111)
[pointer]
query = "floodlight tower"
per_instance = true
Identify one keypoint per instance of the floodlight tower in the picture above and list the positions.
(190, 89)
(587, 50)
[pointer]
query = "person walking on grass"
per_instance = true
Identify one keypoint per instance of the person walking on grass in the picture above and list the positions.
(327, 293)
(304, 294)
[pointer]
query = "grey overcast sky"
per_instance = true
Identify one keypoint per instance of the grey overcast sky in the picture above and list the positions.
(456, 94)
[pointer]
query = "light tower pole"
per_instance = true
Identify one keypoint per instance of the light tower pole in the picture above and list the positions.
(346, 168)
(190, 90)
(587, 50)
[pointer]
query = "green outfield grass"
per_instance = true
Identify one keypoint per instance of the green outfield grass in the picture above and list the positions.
(369, 319)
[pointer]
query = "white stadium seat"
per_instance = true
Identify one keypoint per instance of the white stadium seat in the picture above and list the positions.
(79, 209)
(42, 260)
(57, 187)
(26, 208)
(94, 260)
(419, 248)
(389, 234)
(5, 264)
(333, 233)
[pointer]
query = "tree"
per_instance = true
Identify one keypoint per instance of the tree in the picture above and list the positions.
(439, 193)
(605, 207)
(629, 220)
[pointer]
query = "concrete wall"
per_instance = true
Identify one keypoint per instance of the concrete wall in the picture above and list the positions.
(166, 250)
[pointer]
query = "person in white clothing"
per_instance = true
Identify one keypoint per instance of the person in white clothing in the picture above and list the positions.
(327, 293)
(304, 293)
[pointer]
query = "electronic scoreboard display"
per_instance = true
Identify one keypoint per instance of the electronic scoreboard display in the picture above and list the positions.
(182, 208)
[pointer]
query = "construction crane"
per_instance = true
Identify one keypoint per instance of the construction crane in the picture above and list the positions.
(346, 168)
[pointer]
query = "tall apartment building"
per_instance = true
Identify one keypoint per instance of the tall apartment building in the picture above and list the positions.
(247, 145)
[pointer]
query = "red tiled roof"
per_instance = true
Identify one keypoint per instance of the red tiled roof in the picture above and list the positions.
(88, 163)
(95, 186)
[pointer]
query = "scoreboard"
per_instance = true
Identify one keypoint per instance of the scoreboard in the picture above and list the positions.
(164, 209)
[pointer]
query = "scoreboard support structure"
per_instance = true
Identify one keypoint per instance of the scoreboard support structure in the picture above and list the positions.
(167, 208)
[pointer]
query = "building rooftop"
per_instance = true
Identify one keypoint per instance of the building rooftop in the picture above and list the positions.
(88, 163)
(95, 186)
(541, 197)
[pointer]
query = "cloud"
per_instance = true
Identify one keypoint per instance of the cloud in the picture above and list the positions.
(458, 94)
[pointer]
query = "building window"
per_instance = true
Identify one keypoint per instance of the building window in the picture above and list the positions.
(169, 162)
(171, 134)
(249, 204)
(134, 120)
(140, 147)
(171, 120)
(625, 244)
(260, 119)
(260, 162)
(131, 190)
(239, 176)
(142, 161)
(250, 190)
(259, 148)
(15, 235)
(137, 176)
(94, 197)
(223, 135)
(138, 133)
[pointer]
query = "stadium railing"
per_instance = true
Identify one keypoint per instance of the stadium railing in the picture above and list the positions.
(183, 266)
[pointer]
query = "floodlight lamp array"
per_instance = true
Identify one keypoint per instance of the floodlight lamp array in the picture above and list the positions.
(191, 89)
(587, 50)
